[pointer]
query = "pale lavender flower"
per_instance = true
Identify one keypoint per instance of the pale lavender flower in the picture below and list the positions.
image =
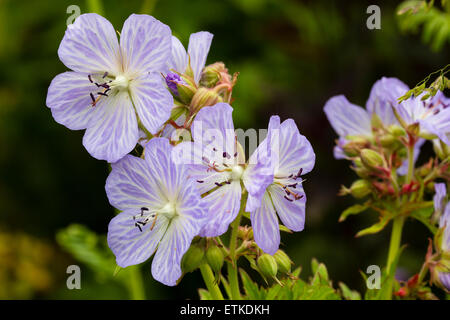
(292, 156)
(195, 57)
(113, 85)
(161, 211)
(216, 161)
(432, 115)
(349, 120)
(442, 207)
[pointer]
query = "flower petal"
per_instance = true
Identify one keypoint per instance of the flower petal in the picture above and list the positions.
(179, 59)
(383, 96)
(90, 45)
(199, 44)
(166, 263)
(113, 130)
(129, 244)
(131, 186)
(224, 204)
(291, 213)
(347, 118)
(69, 99)
(153, 102)
(441, 193)
(437, 124)
(444, 277)
(265, 226)
(146, 44)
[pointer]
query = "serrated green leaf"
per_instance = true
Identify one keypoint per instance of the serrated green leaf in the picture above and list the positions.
(251, 289)
(204, 294)
(226, 286)
(349, 294)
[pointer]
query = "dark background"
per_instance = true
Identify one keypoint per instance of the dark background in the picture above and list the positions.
(292, 56)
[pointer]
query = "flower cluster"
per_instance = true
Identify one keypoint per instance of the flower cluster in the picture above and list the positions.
(187, 178)
(384, 142)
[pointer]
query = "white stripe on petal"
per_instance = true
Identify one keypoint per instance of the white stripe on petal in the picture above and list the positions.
(199, 44)
(113, 130)
(90, 45)
(69, 99)
(265, 226)
(153, 102)
(291, 213)
(129, 244)
(223, 204)
(146, 44)
(179, 59)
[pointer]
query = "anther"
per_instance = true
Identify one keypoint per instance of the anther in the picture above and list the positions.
(200, 181)
(90, 79)
(102, 93)
(288, 199)
(218, 184)
(104, 75)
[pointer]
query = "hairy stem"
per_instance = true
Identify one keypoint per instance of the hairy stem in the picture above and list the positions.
(410, 163)
(211, 284)
(232, 266)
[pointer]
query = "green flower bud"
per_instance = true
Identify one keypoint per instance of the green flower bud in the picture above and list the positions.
(185, 93)
(267, 265)
(204, 97)
(396, 130)
(371, 159)
(192, 258)
(360, 188)
(376, 122)
(414, 129)
(388, 140)
(215, 258)
(283, 261)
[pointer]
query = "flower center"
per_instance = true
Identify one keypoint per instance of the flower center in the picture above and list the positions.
(104, 85)
(236, 172)
(121, 82)
(169, 211)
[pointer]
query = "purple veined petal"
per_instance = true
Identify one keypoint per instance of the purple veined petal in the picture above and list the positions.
(90, 46)
(199, 44)
(146, 44)
(69, 99)
(153, 102)
(403, 169)
(338, 150)
(189, 155)
(410, 110)
(437, 124)
(265, 226)
(444, 277)
(129, 244)
(291, 213)
(295, 151)
(113, 130)
(131, 186)
(347, 118)
(383, 96)
(444, 221)
(224, 204)
(260, 168)
(213, 127)
(166, 263)
(439, 196)
(179, 59)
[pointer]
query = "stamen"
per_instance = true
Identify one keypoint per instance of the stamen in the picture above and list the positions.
(200, 181)
(102, 93)
(90, 79)
(218, 184)
(104, 75)
(288, 199)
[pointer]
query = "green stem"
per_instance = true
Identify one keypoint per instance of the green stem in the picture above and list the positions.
(232, 266)
(394, 247)
(410, 163)
(136, 283)
(211, 284)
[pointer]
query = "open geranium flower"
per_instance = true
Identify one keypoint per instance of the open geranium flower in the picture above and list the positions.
(114, 85)
(161, 211)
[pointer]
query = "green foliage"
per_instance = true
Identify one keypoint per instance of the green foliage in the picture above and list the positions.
(318, 287)
(436, 22)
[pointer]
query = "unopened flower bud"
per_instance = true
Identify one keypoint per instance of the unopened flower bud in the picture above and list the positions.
(283, 261)
(215, 258)
(180, 88)
(267, 266)
(376, 122)
(192, 258)
(396, 130)
(360, 188)
(388, 140)
(414, 129)
(371, 159)
(204, 97)
(213, 73)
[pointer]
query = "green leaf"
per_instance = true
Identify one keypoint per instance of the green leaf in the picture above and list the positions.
(251, 289)
(377, 227)
(355, 209)
(226, 286)
(204, 294)
(349, 294)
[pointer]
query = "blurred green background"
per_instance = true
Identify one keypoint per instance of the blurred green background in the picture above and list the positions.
(292, 56)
